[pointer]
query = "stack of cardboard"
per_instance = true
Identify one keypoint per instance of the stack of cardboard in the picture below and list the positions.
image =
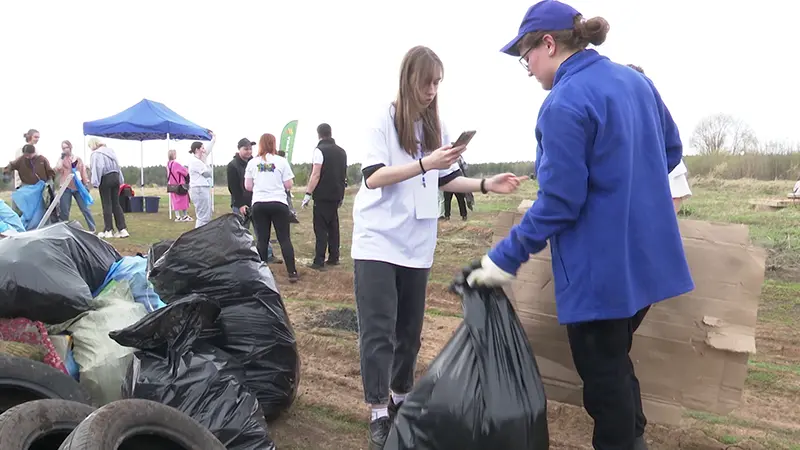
(690, 352)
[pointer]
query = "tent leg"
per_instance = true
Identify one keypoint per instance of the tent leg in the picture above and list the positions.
(169, 197)
(141, 154)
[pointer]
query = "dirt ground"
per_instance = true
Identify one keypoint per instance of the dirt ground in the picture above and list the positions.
(329, 412)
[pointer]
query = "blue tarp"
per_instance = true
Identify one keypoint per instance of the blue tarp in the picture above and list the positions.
(144, 121)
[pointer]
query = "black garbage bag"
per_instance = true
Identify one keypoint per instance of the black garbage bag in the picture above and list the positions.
(220, 261)
(156, 251)
(49, 274)
(483, 390)
(194, 377)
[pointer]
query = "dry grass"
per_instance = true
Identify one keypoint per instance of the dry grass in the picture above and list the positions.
(329, 413)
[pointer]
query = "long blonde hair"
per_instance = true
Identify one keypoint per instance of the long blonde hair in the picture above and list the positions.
(95, 143)
(420, 65)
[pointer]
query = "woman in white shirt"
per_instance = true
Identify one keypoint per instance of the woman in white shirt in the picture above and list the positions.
(200, 183)
(395, 214)
(269, 176)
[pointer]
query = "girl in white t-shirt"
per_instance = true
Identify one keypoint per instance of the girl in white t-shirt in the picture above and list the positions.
(409, 159)
(269, 176)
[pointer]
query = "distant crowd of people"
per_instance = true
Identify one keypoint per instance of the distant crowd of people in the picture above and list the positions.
(29, 168)
(260, 188)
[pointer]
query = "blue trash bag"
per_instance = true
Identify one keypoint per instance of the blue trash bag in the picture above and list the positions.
(9, 219)
(84, 193)
(133, 269)
(29, 199)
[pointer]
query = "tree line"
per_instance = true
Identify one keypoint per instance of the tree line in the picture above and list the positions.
(727, 148)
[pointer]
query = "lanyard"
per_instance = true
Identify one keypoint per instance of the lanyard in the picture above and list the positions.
(420, 158)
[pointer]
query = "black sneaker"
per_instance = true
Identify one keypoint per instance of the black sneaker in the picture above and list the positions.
(464, 218)
(378, 432)
(316, 266)
(294, 219)
(332, 263)
(393, 408)
(294, 277)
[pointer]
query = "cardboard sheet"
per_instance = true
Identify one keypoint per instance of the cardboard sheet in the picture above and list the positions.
(690, 352)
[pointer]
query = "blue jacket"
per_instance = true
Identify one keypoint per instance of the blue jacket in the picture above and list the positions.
(606, 144)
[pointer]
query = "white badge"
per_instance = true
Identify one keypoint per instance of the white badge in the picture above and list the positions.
(426, 196)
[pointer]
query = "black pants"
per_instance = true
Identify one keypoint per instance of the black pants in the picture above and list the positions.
(462, 203)
(265, 216)
(326, 230)
(390, 301)
(109, 198)
(611, 392)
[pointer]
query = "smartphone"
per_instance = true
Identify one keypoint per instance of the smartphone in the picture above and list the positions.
(464, 138)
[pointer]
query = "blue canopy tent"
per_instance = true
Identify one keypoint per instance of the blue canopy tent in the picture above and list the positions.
(147, 121)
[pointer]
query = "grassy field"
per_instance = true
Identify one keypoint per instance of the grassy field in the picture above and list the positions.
(329, 412)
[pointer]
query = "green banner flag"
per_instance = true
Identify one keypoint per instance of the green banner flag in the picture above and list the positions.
(287, 139)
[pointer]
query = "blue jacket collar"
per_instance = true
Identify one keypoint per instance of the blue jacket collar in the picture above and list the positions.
(576, 63)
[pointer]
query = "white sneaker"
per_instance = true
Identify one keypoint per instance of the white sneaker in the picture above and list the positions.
(187, 219)
(104, 235)
(122, 234)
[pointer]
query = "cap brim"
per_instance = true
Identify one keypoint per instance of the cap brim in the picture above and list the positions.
(511, 48)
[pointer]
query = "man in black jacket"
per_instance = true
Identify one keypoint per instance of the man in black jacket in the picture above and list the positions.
(241, 198)
(326, 187)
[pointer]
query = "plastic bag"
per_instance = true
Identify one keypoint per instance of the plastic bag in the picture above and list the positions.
(482, 391)
(133, 269)
(196, 378)
(49, 274)
(28, 199)
(102, 361)
(220, 261)
(9, 219)
(82, 191)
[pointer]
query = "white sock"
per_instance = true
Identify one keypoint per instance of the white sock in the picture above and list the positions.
(377, 413)
(398, 398)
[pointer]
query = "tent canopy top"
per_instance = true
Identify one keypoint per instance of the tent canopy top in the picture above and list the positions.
(144, 121)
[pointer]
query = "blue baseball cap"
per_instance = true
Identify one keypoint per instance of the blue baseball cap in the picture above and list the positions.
(547, 15)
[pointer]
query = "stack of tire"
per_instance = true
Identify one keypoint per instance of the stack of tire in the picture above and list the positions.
(44, 409)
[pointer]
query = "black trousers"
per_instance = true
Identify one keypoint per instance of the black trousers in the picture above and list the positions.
(265, 216)
(462, 203)
(611, 395)
(326, 230)
(390, 303)
(109, 198)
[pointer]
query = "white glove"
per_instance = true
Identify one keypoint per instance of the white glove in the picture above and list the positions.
(489, 275)
(306, 199)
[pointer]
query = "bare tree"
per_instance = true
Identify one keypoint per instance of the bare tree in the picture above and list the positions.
(723, 133)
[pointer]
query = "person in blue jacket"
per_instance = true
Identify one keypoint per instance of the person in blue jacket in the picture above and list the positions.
(605, 144)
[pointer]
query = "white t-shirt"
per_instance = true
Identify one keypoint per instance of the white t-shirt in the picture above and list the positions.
(678, 183)
(318, 157)
(200, 173)
(396, 224)
(268, 174)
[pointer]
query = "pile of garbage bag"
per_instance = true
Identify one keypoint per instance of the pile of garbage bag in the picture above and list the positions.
(220, 261)
(197, 325)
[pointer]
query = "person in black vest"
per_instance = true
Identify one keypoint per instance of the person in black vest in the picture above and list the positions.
(326, 187)
(241, 198)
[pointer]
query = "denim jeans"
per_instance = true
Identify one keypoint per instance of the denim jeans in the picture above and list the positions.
(247, 221)
(65, 204)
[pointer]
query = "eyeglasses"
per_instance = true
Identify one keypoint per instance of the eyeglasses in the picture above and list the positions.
(523, 60)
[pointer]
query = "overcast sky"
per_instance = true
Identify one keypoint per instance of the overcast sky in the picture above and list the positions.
(243, 68)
